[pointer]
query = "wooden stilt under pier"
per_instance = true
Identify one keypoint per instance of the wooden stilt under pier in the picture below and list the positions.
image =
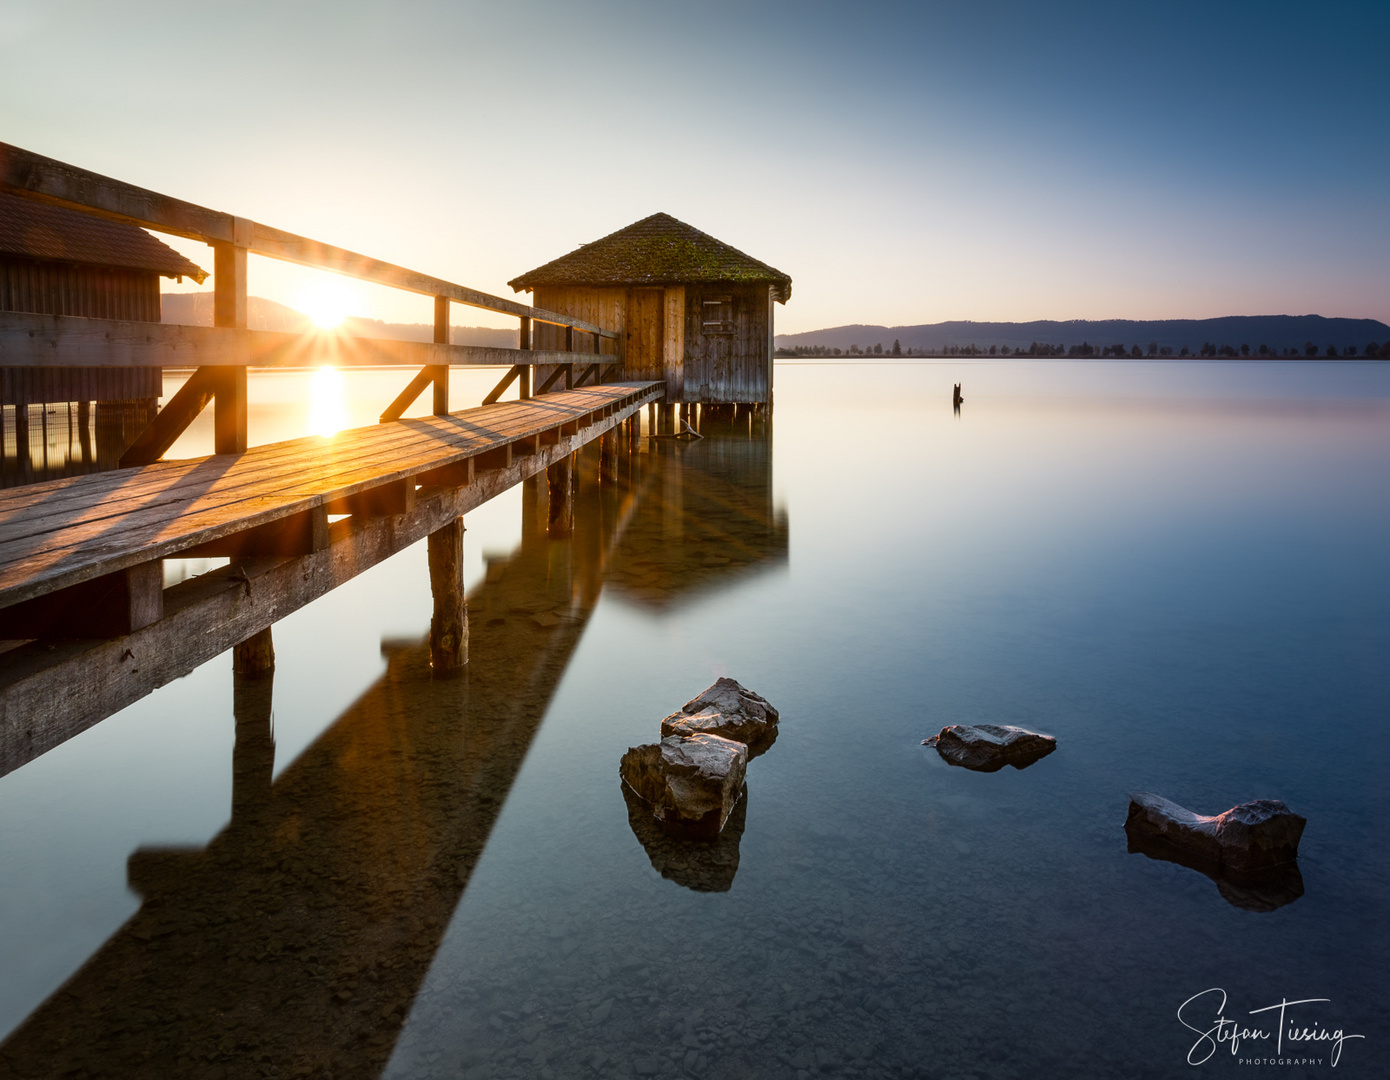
(449, 625)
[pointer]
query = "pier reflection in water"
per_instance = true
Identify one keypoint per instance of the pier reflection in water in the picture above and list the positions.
(296, 941)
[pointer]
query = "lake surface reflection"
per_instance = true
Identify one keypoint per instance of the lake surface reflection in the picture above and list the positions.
(353, 869)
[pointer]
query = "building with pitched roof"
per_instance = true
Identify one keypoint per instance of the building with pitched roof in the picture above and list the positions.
(56, 261)
(691, 309)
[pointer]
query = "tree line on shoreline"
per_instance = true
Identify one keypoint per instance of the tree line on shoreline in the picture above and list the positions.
(1373, 351)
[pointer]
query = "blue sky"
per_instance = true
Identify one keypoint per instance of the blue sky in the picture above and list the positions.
(903, 162)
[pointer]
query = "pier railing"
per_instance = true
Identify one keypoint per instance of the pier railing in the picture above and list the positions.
(222, 353)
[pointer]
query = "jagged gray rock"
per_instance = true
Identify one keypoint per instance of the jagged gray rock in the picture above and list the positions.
(1249, 838)
(691, 781)
(729, 710)
(989, 747)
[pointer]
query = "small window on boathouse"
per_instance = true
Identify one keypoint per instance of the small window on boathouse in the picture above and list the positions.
(718, 316)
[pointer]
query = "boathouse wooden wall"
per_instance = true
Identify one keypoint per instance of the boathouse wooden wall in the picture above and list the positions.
(94, 292)
(731, 361)
(665, 336)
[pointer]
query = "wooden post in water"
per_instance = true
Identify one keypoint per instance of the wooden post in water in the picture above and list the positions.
(255, 655)
(441, 371)
(253, 754)
(561, 480)
(449, 624)
(608, 457)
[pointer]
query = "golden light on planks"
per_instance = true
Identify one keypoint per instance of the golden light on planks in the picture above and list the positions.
(328, 413)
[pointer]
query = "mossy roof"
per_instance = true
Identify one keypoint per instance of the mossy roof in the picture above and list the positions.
(36, 230)
(658, 250)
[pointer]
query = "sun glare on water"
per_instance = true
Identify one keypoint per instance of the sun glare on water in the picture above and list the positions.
(327, 402)
(326, 302)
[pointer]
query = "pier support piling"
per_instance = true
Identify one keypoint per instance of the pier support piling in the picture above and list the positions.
(608, 457)
(561, 480)
(449, 624)
(253, 754)
(255, 655)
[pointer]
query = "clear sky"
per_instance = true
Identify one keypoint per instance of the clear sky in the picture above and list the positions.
(905, 163)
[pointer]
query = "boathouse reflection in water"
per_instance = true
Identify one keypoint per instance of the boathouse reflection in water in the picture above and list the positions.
(296, 941)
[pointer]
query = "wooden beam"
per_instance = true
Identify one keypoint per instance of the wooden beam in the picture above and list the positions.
(229, 411)
(171, 421)
(397, 497)
(507, 379)
(29, 340)
(459, 474)
(295, 534)
(441, 371)
(45, 179)
(107, 606)
(552, 379)
(406, 398)
(592, 369)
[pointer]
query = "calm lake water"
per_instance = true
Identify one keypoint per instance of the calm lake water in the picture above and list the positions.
(1178, 569)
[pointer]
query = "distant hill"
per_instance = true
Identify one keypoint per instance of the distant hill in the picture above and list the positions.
(1276, 332)
(195, 309)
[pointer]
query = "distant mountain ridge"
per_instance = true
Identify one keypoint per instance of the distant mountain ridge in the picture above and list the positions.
(195, 309)
(1277, 332)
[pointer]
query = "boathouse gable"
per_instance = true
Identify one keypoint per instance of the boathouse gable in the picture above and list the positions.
(690, 309)
(56, 261)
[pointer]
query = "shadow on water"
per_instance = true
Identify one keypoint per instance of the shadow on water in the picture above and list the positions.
(296, 941)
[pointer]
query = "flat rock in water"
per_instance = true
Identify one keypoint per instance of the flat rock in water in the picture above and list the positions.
(691, 781)
(989, 747)
(729, 710)
(1249, 838)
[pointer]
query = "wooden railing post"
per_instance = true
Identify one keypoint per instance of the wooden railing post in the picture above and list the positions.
(441, 371)
(229, 310)
(524, 343)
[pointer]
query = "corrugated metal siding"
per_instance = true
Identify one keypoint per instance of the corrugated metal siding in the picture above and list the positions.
(93, 292)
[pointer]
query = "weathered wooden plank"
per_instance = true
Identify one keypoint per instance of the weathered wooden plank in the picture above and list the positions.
(72, 554)
(49, 694)
(37, 509)
(30, 340)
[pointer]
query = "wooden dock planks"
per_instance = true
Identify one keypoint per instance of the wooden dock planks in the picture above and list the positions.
(63, 532)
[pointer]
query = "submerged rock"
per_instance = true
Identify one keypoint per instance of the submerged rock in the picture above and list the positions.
(1249, 838)
(989, 747)
(729, 710)
(691, 781)
(701, 865)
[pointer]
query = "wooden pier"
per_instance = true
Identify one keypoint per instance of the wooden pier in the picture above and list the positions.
(87, 624)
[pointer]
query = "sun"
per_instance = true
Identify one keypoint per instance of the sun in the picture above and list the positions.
(326, 302)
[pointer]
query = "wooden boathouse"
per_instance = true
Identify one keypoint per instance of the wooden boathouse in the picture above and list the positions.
(691, 310)
(87, 624)
(57, 261)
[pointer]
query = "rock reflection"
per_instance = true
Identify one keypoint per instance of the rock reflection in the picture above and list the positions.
(1266, 890)
(704, 866)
